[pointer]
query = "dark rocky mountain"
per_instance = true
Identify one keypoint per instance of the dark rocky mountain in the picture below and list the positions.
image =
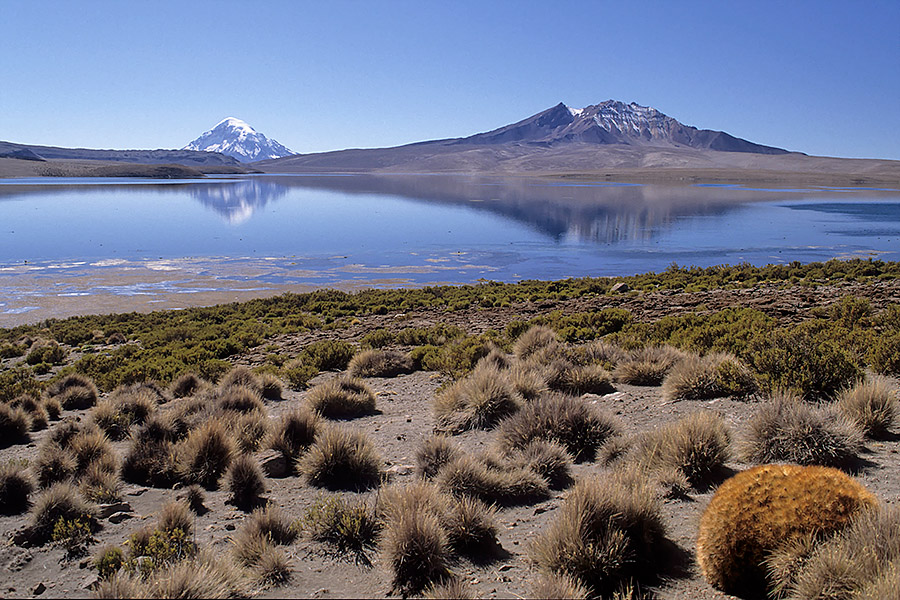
(614, 122)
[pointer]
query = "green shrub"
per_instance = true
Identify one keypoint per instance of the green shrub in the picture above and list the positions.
(377, 339)
(108, 561)
(327, 355)
(349, 528)
(298, 374)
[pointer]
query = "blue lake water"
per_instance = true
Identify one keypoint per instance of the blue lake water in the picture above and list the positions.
(89, 237)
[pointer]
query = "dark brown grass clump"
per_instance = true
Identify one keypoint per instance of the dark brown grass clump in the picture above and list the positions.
(99, 484)
(60, 501)
(294, 433)
(151, 456)
(534, 339)
(245, 482)
(479, 401)
(74, 391)
(471, 527)
(14, 425)
(855, 559)
(606, 534)
(270, 521)
(249, 430)
(34, 408)
(697, 445)
(53, 464)
(125, 407)
(579, 427)
(416, 548)
(716, 375)
(380, 363)
(342, 398)
(205, 455)
(347, 527)
(16, 488)
(270, 386)
(240, 377)
(435, 452)
(341, 459)
(494, 484)
(647, 366)
(872, 405)
(786, 429)
(547, 459)
(187, 384)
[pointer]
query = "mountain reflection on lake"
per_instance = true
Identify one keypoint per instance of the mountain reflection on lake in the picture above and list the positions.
(272, 231)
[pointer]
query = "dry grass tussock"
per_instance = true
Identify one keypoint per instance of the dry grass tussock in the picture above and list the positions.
(547, 459)
(124, 408)
(479, 401)
(715, 375)
(245, 482)
(503, 483)
(605, 535)
(34, 407)
(534, 339)
(347, 527)
(559, 585)
(60, 501)
(453, 588)
(861, 556)
(341, 459)
(187, 384)
(14, 425)
(205, 454)
(379, 363)
(787, 429)
(342, 398)
(74, 391)
(16, 488)
(648, 365)
(873, 405)
(294, 432)
(578, 426)
(758, 510)
(697, 446)
(435, 452)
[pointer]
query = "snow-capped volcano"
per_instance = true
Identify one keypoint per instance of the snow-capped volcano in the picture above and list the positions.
(232, 137)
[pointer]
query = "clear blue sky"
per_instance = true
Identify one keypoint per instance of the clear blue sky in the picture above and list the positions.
(819, 77)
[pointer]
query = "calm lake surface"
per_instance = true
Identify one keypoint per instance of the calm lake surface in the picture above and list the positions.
(90, 238)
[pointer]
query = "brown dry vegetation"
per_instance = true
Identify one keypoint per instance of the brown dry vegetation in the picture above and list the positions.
(534, 473)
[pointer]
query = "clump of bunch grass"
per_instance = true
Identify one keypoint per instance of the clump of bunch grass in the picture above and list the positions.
(14, 425)
(270, 386)
(697, 446)
(195, 499)
(293, 434)
(453, 588)
(341, 459)
(205, 454)
(435, 452)
(580, 379)
(342, 398)
(493, 482)
(99, 484)
(787, 429)
(34, 408)
(872, 405)
(175, 516)
(125, 407)
(349, 528)
(255, 545)
(74, 391)
(479, 401)
(606, 535)
(380, 363)
(91, 446)
(559, 585)
(715, 375)
(572, 422)
(187, 384)
(199, 575)
(241, 377)
(53, 464)
(16, 488)
(245, 482)
(648, 365)
(548, 459)
(855, 559)
(151, 458)
(758, 510)
(60, 502)
(535, 338)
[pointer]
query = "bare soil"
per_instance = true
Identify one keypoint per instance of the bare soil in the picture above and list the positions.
(405, 419)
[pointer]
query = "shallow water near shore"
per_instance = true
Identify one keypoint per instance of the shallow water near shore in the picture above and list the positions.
(87, 245)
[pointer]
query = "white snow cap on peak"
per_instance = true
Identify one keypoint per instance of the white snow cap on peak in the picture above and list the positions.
(235, 138)
(233, 122)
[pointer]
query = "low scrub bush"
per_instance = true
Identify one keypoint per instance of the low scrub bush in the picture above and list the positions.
(605, 535)
(298, 374)
(647, 366)
(327, 355)
(758, 510)
(108, 560)
(786, 429)
(573, 423)
(245, 482)
(60, 502)
(294, 433)
(380, 363)
(205, 454)
(435, 452)
(479, 401)
(494, 484)
(698, 446)
(341, 459)
(14, 425)
(715, 375)
(342, 398)
(349, 528)
(872, 405)
(16, 488)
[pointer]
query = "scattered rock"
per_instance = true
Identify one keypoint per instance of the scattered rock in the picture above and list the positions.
(120, 516)
(91, 582)
(39, 589)
(505, 568)
(400, 470)
(274, 464)
(19, 561)
(104, 511)
(137, 492)
(229, 526)
(620, 288)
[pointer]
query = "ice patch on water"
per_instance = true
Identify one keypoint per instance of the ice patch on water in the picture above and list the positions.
(20, 310)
